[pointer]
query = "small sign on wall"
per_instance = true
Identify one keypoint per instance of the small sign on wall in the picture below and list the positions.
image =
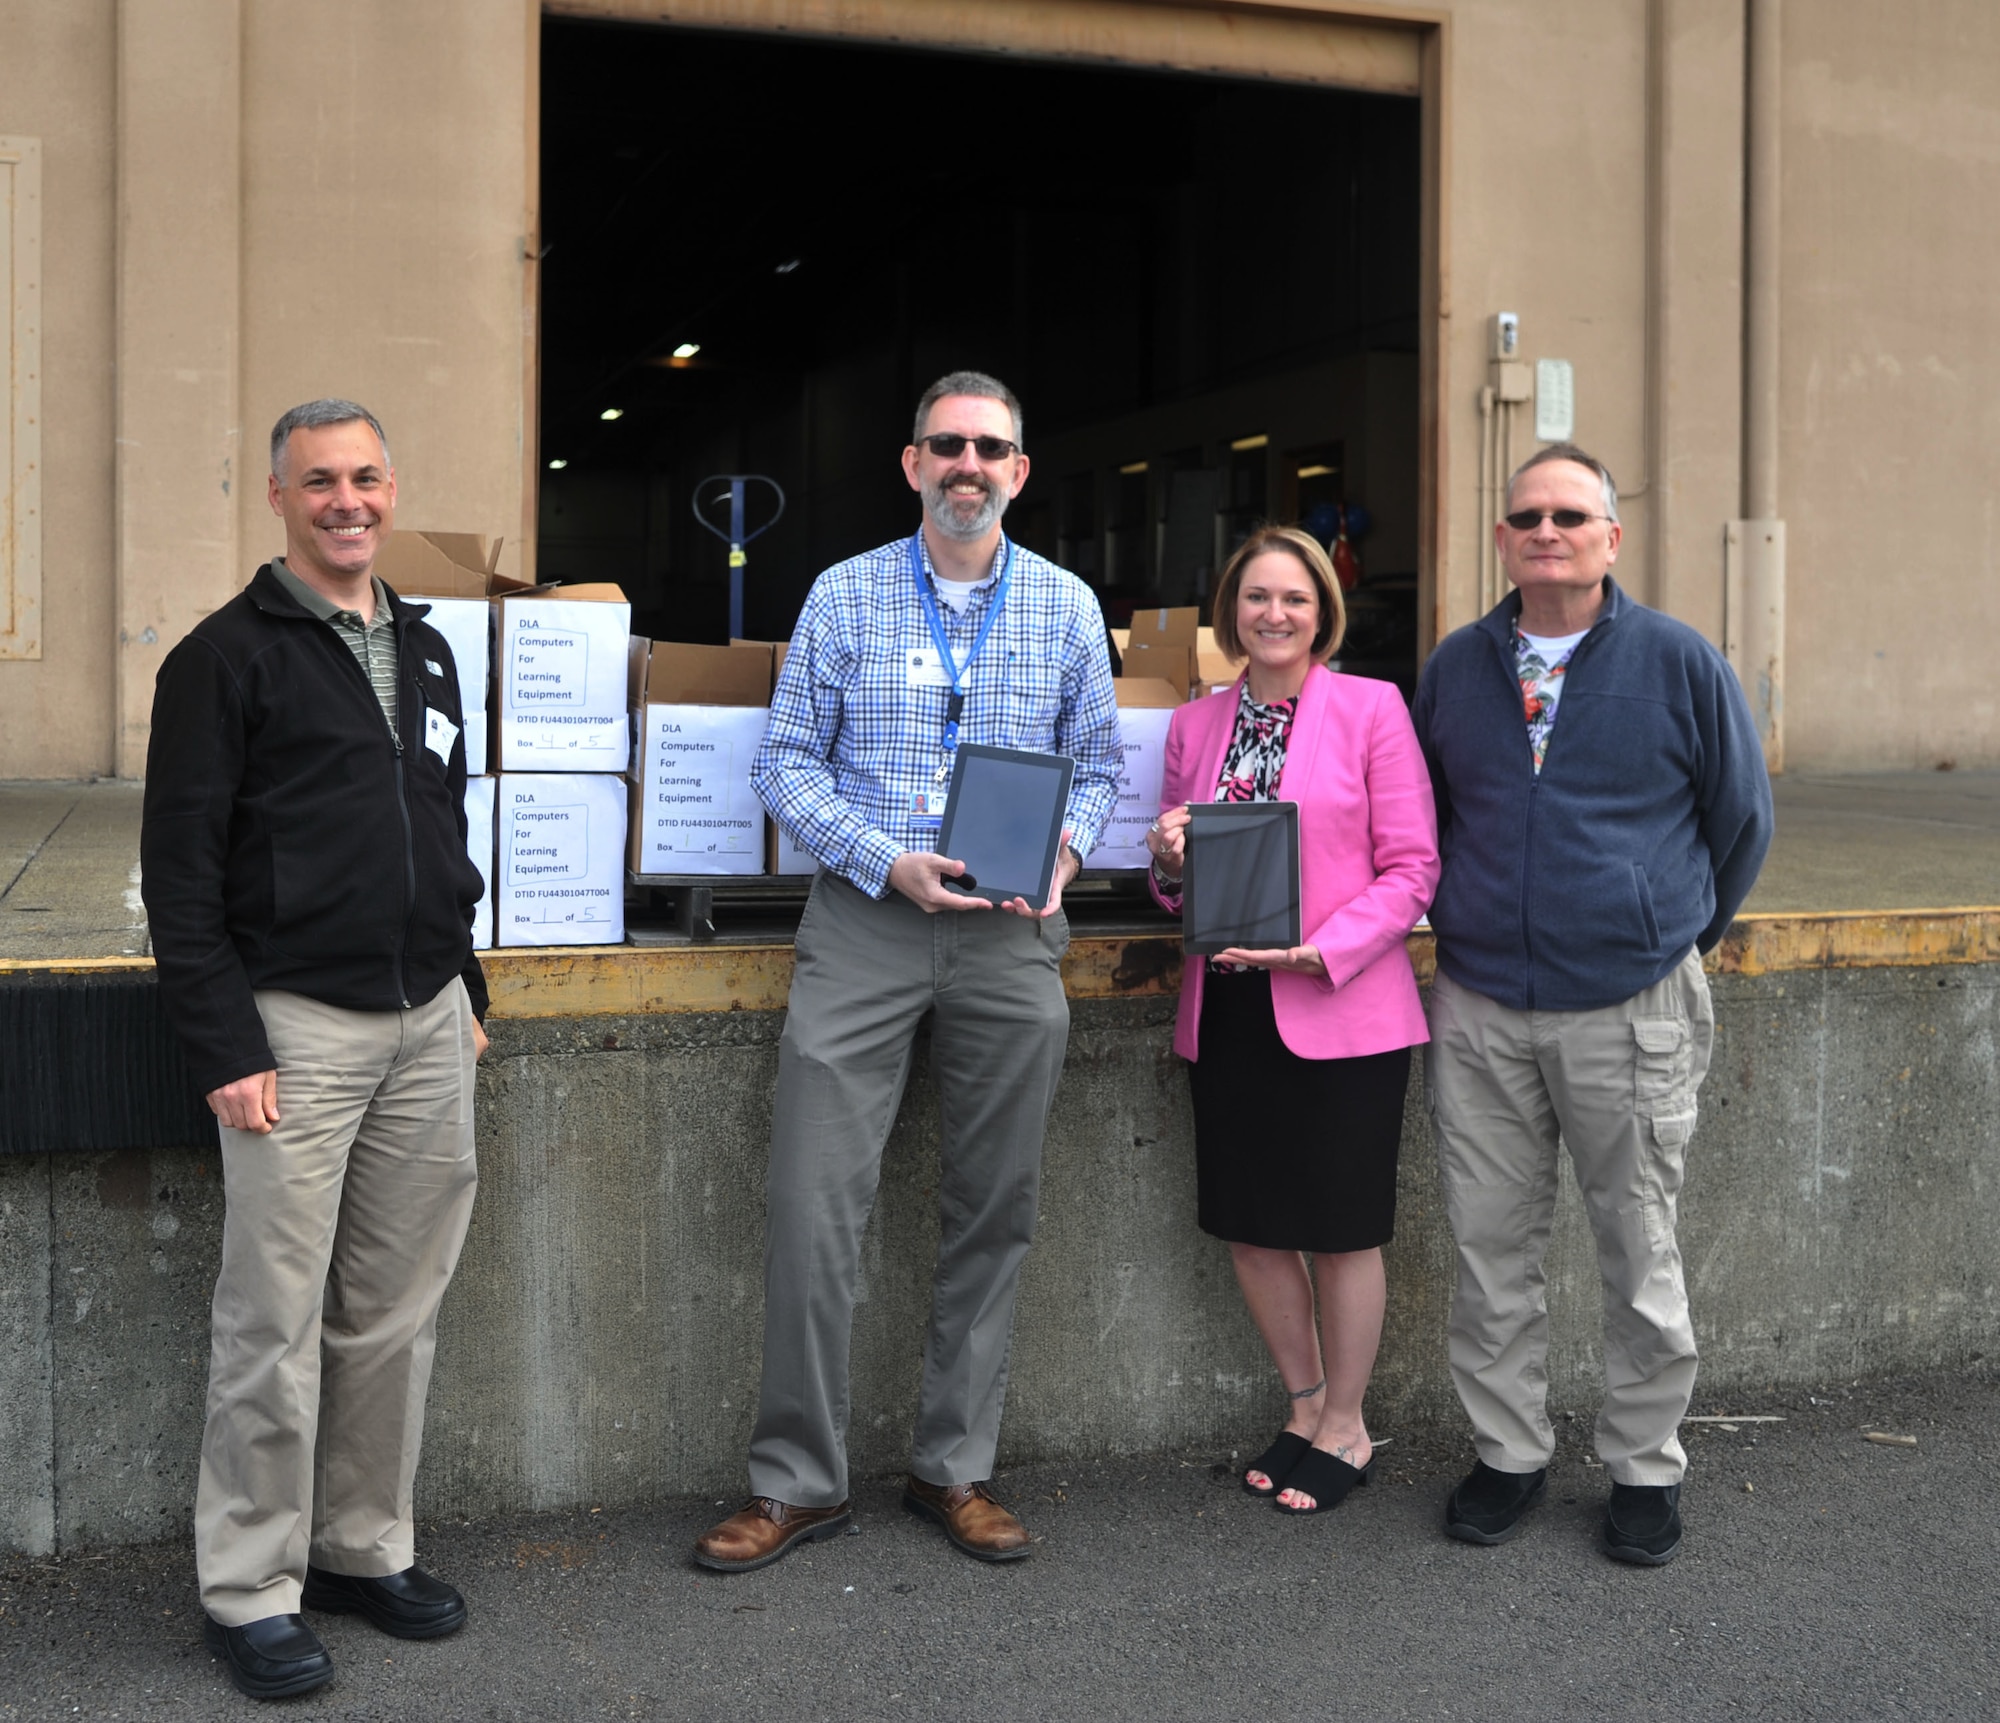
(1555, 401)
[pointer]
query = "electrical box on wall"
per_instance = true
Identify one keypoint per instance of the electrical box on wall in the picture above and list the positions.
(1506, 336)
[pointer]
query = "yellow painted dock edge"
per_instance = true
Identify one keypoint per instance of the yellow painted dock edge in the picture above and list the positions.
(608, 981)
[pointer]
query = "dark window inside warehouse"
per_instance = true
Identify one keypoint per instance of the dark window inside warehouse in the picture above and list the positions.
(760, 251)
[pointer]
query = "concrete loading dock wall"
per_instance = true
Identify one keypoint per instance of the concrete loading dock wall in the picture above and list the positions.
(1841, 1218)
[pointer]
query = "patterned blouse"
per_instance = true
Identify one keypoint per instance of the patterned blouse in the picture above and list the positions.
(1252, 763)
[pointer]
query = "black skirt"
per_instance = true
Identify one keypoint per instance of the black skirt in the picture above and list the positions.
(1290, 1153)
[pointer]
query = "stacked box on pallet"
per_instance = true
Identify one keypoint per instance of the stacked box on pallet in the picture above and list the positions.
(452, 573)
(563, 746)
(1146, 706)
(698, 715)
(783, 854)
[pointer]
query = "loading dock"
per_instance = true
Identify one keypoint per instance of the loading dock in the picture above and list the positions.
(757, 250)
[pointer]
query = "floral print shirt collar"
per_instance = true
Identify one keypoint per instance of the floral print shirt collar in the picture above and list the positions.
(1541, 680)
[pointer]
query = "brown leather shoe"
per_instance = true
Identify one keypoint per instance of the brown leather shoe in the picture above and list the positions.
(972, 1518)
(762, 1530)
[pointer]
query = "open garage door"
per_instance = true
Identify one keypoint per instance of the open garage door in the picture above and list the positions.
(760, 249)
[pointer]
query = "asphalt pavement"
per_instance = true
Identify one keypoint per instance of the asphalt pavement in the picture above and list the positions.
(1823, 1576)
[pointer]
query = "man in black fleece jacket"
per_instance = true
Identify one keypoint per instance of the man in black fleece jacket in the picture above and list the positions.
(310, 897)
(1588, 862)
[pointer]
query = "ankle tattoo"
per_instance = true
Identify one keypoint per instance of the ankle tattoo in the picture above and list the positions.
(1308, 1393)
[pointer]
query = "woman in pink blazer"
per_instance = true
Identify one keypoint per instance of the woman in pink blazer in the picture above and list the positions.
(1299, 1059)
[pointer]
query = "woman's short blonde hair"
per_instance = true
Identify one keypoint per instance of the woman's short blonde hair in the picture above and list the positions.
(1296, 542)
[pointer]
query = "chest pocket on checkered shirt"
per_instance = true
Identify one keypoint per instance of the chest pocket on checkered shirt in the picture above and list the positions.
(1033, 685)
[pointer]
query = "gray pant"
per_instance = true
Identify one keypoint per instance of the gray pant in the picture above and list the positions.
(867, 972)
(339, 1235)
(1617, 1087)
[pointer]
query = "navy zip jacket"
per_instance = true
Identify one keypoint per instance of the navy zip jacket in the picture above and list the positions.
(288, 842)
(1641, 837)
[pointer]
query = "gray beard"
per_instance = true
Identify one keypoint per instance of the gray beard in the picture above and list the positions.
(961, 529)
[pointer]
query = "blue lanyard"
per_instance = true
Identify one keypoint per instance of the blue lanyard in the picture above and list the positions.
(955, 708)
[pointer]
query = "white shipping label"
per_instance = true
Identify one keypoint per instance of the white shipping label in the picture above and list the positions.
(562, 859)
(564, 742)
(1138, 805)
(479, 846)
(439, 733)
(564, 657)
(793, 857)
(698, 813)
(467, 627)
(551, 668)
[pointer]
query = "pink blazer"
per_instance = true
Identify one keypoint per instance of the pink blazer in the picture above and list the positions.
(1368, 860)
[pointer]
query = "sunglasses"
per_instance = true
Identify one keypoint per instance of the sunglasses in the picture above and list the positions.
(949, 445)
(1526, 520)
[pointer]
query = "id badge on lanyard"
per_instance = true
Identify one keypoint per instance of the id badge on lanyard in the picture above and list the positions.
(927, 804)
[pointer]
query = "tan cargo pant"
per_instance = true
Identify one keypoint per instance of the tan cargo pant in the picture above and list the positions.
(1617, 1086)
(341, 1231)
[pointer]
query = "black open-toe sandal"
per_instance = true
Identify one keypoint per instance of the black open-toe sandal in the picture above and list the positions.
(1323, 1477)
(1276, 1463)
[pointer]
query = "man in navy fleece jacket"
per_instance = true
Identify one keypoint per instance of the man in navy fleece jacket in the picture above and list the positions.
(1603, 810)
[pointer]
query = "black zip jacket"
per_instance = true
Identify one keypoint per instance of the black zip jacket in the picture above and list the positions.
(288, 841)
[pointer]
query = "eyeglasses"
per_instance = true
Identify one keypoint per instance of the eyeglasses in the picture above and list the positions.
(1526, 520)
(949, 445)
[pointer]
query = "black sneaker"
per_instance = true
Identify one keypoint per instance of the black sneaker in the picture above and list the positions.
(1642, 1523)
(1487, 1507)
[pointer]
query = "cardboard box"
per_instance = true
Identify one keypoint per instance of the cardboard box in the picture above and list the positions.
(1173, 665)
(1211, 664)
(1145, 708)
(561, 873)
(562, 680)
(452, 572)
(438, 564)
(782, 854)
(698, 715)
(1177, 627)
(1165, 644)
(479, 846)
(467, 626)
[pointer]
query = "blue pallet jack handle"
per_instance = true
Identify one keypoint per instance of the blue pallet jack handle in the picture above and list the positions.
(736, 537)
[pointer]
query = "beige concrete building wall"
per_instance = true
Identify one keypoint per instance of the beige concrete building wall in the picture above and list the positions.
(57, 83)
(386, 231)
(179, 467)
(251, 202)
(1889, 458)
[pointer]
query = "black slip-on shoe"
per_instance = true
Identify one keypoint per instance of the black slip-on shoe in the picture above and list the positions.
(1642, 1524)
(275, 1658)
(1487, 1506)
(407, 1605)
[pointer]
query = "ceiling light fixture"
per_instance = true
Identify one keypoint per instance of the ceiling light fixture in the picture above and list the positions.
(1256, 442)
(1314, 472)
(788, 266)
(1133, 467)
(557, 465)
(612, 413)
(687, 349)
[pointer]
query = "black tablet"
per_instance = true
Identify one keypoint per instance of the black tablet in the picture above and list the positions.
(1004, 820)
(1240, 884)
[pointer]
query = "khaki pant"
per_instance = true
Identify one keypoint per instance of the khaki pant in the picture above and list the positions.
(341, 1231)
(868, 971)
(1617, 1086)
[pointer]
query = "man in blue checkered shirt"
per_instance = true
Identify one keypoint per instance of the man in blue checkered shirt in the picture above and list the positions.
(952, 635)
